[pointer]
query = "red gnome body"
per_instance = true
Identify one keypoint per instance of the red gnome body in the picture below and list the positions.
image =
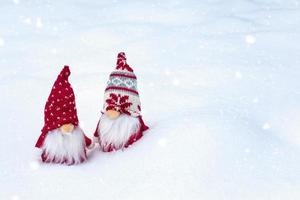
(121, 123)
(62, 140)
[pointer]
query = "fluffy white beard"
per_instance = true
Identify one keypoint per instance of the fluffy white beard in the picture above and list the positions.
(70, 148)
(116, 132)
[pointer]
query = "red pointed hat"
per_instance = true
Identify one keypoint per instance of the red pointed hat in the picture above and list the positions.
(60, 107)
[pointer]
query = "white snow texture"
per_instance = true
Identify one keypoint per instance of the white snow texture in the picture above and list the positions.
(219, 87)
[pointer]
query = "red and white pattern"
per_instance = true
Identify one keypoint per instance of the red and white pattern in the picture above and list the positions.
(60, 109)
(118, 103)
(123, 82)
(120, 95)
(122, 64)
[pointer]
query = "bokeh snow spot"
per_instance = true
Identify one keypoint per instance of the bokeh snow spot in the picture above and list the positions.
(53, 51)
(266, 126)
(255, 100)
(250, 39)
(34, 165)
(238, 75)
(151, 84)
(1, 42)
(167, 72)
(162, 142)
(27, 20)
(247, 150)
(39, 23)
(16, 2)
(176, 82)
(15, 197)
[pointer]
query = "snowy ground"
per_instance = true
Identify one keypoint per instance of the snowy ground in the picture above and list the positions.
(219, 84)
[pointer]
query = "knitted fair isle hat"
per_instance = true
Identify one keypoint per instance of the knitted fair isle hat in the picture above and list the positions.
(121, 92)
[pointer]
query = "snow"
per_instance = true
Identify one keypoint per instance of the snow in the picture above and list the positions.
(39, 23)
(15, 197)
(34, 165)
(266, 126)
(16, 1)
(250, 39)
(219, 86)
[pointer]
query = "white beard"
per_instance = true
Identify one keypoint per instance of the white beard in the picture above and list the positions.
(116, 132)
(65, 148)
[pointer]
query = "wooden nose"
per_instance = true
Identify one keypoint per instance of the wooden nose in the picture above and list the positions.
(67, 128)
(112, 114)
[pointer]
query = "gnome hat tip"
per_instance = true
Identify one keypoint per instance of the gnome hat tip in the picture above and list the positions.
(121, 55)
(65, 72)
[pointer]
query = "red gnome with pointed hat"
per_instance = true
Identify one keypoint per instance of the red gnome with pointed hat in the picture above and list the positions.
(62, 140)
(121, 123)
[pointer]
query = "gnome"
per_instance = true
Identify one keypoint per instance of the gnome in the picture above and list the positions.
(121, 123)
(62, 140)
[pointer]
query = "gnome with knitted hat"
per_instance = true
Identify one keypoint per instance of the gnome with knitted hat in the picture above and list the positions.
(121, 123)
(62, 140)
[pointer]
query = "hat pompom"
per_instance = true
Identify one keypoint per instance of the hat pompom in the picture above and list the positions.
(121, 62)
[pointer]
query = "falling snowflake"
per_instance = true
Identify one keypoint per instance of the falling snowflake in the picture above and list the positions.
(162, 142)
(1, 42)
(151, 84)
(266, 126)
(167, 72)
(15, 197)
(34, 165)
(238, 75)
(255, 100)
(247, 150)
(16, 2)
(176, 82)
(27, 20)
(54, 51)
(39, 23)
(250, 39)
